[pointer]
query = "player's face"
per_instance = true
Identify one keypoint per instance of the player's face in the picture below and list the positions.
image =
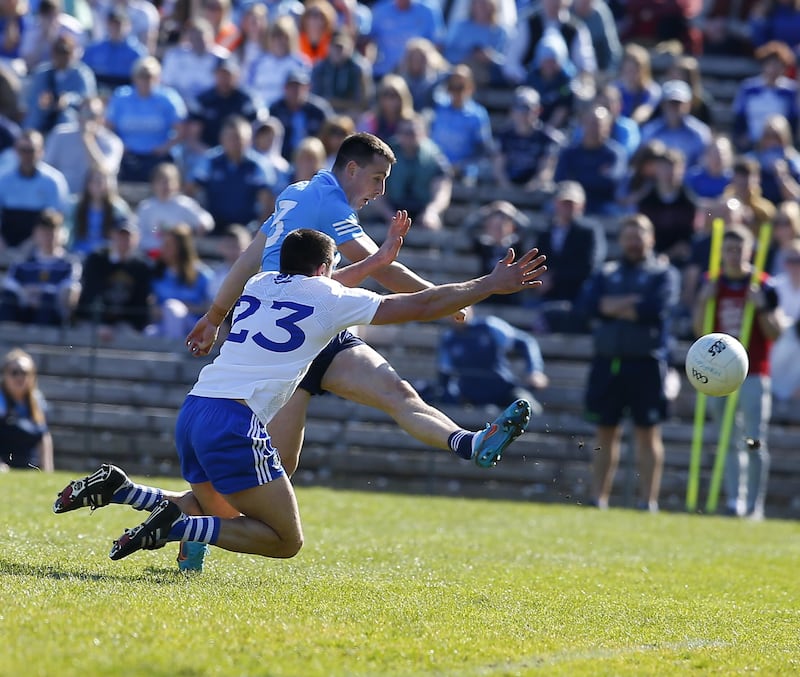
(366, 183)
(734, 254)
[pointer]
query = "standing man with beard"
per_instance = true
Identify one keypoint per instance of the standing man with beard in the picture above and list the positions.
(630, 302)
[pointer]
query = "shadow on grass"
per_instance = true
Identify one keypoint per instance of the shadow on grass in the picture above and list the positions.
(151, 574)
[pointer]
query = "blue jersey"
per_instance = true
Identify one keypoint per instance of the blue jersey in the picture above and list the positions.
(319, 204)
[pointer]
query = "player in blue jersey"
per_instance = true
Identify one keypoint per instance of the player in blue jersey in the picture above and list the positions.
(348, 367)
(282, 320)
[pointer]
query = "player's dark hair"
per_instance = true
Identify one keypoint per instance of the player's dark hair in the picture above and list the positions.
(304, 250)
(361, 148)
(739, 234)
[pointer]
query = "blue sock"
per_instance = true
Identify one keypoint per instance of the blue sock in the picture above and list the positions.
(197, 529)
(138, 496)
(461, 443)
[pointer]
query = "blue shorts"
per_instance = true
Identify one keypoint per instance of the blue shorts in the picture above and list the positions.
(223, 442)
(312, 381)
(620, 386)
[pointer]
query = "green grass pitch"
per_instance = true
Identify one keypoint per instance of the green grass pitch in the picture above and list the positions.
(402, 586)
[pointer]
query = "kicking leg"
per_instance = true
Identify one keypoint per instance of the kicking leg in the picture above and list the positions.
(360, 374)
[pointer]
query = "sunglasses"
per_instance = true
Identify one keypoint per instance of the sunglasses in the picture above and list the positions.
(16, 373)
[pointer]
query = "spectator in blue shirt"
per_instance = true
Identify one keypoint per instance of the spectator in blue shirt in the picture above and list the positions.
(596, 162)
(76, 147)
(424, 69)
(461, 127)
(551, 74)
(640, 93)
(181, 285)
(234, 179)
(12, 25)
(44, 287)
(479, 41)
(224, 99)
(776, 20)
(474, 365)
(57, 88)
(28, 189)
(147, 117)
(301, 112)
(527, 149)
(778, 161)
(676, 127)
(599, 21)
(395, 22)
(112, 58)
(623, 130)
(708, 179)
(768, 93)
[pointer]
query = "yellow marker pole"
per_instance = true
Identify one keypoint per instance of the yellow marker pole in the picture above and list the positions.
(764, 237)
(714, 264)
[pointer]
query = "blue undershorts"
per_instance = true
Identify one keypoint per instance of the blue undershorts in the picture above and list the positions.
(222, 441)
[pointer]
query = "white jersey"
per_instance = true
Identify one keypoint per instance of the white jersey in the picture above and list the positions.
(280, 324)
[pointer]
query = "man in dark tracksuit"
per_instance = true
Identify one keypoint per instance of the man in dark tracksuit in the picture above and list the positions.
(630, 301)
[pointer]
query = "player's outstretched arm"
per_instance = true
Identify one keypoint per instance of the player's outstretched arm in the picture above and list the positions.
(508, 276)
(354, 274)
(201, 339)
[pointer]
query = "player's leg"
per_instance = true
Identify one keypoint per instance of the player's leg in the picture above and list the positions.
(366, 378)
(110, 484)
(650, 461)
(270, 522)
(360, 374)
(222, 442)
(606, 460)
(287, 429)
(756, 402)
(734, 478)
(604, 406)
(644, 380)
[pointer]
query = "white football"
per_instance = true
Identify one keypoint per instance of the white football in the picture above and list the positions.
(716, 364)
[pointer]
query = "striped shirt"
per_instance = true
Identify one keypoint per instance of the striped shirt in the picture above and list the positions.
(319, 204)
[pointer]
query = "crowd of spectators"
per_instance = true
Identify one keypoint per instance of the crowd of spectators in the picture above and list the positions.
(209, 109)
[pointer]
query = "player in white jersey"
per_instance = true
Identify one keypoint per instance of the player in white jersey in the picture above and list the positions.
(280, 323)
(347, 367)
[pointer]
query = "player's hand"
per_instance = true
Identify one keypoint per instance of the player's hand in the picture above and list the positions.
(398, 229)
(756, 296)
(510, 276)
(201, 339)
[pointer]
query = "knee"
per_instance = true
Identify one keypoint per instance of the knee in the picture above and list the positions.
(290, 547)
(401, 393)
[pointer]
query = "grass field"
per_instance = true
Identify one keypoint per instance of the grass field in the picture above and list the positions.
(402, 585)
